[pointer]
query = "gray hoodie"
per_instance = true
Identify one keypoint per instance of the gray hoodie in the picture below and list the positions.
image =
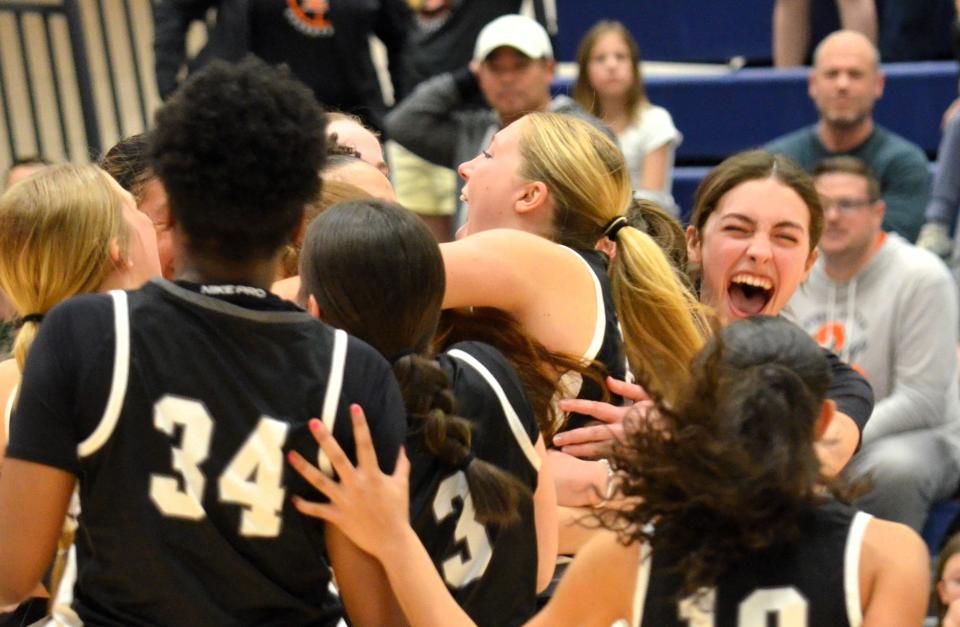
(896, 322)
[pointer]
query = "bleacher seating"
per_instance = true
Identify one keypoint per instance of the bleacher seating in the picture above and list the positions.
(722, 114)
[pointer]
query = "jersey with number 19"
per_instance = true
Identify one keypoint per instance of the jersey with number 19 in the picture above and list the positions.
(811, 581)
(175, 406)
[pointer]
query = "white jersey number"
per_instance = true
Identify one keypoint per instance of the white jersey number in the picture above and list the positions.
(251, 479)
(462, 568)
(786, 606)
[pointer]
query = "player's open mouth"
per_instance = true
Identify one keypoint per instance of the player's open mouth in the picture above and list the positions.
(749, 294)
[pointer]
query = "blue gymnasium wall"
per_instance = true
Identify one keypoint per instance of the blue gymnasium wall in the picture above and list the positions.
(675, 30)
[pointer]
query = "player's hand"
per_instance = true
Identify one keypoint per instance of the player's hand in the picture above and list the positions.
(597, 441)
(579, 483)
(366, 505)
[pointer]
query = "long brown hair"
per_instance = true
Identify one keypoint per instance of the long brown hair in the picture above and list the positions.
(584, 93)
(375, 271)
(753, 165)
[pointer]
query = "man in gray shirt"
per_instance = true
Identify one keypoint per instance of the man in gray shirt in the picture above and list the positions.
(889, 309)
(512, 67)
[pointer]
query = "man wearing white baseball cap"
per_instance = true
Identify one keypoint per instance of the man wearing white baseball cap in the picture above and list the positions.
(512, 66)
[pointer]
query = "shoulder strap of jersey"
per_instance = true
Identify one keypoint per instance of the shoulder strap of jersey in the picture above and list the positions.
(513, 420)
(851, 567)
(121, 372)
(331, 399)
(643, 581)
(600, 327)
(8, 410)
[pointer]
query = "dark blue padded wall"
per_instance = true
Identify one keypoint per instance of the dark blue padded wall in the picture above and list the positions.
(675, 30)
(719, 115)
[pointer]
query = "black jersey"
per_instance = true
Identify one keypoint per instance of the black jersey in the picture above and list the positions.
(175, 408)
(490, 571)
(607, 345)
(812, 582)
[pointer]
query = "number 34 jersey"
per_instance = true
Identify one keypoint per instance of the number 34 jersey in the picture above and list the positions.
(491, 571)
(175, 406)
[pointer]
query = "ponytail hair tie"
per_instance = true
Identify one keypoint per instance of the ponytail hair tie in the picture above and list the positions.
(465, 462)
(34, 317)
(613, 227)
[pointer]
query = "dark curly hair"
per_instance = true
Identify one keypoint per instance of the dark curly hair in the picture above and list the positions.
(732, 469)
(238, 148)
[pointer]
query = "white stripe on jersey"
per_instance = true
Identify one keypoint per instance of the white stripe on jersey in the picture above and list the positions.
(8, 410)
(851, 567)
(121, 372)
(332, 398)
(600, 327)
(513, 420)
(643, 581)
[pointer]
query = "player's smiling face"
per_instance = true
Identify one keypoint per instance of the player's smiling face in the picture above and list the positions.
(754, 250)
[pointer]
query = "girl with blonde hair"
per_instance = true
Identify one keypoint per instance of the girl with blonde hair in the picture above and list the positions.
(547, 241)
(65, 230)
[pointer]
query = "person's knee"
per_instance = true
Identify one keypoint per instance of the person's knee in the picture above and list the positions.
(891, 465)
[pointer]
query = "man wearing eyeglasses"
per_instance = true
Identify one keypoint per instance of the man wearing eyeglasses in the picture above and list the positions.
(844, 84)
(889, 309)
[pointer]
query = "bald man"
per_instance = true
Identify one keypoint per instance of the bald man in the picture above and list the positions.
(844, 84)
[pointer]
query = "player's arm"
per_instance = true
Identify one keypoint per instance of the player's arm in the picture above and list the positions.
(364, 588)
(605, 573)
(545, 519)
(33, 503)
(371, 508)
(837, 444)
(547, 288)
(894, 575)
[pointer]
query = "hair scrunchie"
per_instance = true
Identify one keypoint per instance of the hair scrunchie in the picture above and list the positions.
(34, 317)
(613, 227)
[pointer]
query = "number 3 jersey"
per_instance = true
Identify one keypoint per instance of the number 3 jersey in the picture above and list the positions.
(491, 571)
(812, 582)
(175, 406)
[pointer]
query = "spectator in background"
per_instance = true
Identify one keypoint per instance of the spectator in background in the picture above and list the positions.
(937, 234)
(325, 44)
(349, 130)
(888, 309)
(442, 41)
(791, 27)
(947, 579)
(610, 86)
(844, 84)
(941, 214)
(512, 67)
(20, 169)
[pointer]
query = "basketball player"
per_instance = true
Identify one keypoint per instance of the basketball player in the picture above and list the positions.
(374, 269)
(723, 524)
(166, 402)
